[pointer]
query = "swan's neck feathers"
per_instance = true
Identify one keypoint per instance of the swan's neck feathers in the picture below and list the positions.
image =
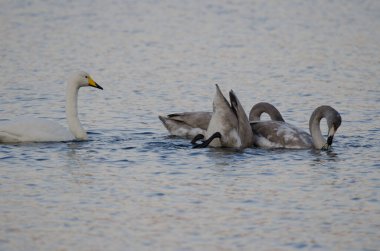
(315, 131)
(72, 112)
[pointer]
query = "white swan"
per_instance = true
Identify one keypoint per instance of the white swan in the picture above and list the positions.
(190, 124)
(277, 134)
(42, 130)
(229, 125)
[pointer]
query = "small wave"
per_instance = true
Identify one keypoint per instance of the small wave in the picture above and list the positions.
(7, 157)
(128, 148)
(93, 133)
(42, 159)
(143, 133)
(158, 194)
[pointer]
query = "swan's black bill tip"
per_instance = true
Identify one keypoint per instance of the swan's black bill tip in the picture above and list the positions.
(330, 140)
(99, 87)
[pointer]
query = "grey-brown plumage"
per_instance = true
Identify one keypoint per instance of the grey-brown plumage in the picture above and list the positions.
(186, 124)
(276, 134)
(189, 124)
(264, 107)
(229, 121)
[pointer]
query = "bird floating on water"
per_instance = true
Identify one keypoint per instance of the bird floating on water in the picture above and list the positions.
(277, 134)
(190, 124)
(43, 130)
(228, 126)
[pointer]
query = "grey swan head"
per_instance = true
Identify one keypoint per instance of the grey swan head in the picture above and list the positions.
(229, 125)
(277, 134)
(333, 119)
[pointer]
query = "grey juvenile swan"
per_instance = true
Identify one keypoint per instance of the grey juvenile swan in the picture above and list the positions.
(43, 130)
(186, 124)
(264, 107)
(276, 134)
(190, 124)
(229, 125)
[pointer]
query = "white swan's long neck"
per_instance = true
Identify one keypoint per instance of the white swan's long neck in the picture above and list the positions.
(315, 130)
(72, 112)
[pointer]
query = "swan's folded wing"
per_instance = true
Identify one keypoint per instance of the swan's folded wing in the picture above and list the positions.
(182, 126)
(193, 119)
(277, 134)
(33, 130)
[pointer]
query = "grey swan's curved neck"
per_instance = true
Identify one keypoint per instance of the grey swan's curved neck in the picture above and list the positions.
(264, 107)
(333, 119)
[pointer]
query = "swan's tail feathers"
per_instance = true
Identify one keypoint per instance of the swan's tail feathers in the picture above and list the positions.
(176, 125)
(7, 137)
(234, 103)
(164, 120)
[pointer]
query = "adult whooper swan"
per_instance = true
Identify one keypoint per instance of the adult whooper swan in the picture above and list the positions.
(228, 126)
(276, 134)
(190, 124)
(42, 130)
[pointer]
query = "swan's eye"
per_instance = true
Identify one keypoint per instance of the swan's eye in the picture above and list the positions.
(86, 76)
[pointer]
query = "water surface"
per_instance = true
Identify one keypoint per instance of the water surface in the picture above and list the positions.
(131, 186)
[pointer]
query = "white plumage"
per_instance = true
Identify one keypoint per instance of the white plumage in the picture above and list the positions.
(44, 130)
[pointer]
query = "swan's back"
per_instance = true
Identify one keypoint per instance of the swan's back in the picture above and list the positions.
(32, 130)
(278, 134)
(193, 119)
(186, 124)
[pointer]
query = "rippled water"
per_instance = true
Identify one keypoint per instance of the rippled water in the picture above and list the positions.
(131, 186)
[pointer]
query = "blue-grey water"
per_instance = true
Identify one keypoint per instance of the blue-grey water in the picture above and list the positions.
(133, 187)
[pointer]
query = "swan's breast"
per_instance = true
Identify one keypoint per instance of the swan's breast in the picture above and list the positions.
(232, 139)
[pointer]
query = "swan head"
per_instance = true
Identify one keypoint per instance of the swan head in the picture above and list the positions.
(334, 120)
(83, 79)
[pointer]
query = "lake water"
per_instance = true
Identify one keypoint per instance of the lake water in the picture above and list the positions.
(131, 186)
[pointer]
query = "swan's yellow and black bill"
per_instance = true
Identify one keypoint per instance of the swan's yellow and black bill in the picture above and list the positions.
(92, 83)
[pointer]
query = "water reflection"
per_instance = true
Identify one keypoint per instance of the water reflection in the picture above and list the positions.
(73, 158)
(324, 157)
(76, 165)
